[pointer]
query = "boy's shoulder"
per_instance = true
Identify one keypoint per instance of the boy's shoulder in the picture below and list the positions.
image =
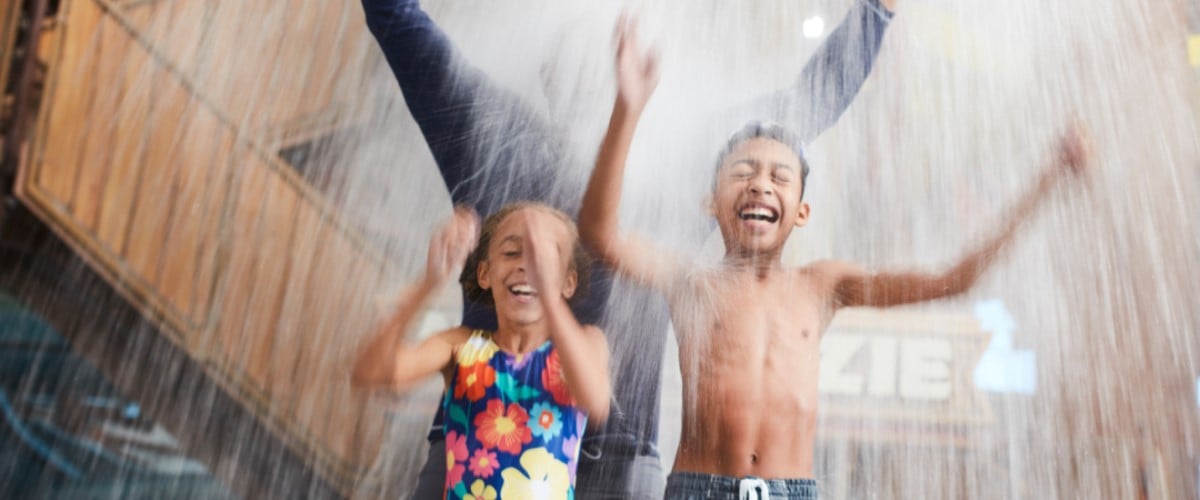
(830, 266)
(690, 279)
(829, 272)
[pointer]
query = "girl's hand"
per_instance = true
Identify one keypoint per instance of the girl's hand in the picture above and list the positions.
(450, 246)
(545, 238)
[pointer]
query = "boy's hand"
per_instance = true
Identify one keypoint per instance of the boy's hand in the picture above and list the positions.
(546, 263)
(637, 70)
(1074, 150)
(449, 248)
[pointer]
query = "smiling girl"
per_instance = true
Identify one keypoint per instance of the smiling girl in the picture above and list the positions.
(517, 399)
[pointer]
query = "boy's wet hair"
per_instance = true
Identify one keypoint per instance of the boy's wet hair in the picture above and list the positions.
(766, 130)
(581, 262)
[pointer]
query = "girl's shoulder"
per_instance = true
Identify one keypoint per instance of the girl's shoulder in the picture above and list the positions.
(471, 342)
(464, 342)
(458, 335)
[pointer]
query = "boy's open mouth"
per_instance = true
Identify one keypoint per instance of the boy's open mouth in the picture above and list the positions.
(756, 212)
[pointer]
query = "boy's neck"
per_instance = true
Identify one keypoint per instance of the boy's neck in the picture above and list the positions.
(761, 264)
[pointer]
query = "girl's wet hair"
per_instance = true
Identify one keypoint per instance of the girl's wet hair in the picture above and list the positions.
(581, 262)
(766, 130)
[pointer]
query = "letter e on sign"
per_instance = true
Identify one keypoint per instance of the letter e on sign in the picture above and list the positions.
(925, 369)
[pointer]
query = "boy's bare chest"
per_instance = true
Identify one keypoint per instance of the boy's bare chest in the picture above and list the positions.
(737, 316)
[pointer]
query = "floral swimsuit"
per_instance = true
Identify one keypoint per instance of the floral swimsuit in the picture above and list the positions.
(512, 429)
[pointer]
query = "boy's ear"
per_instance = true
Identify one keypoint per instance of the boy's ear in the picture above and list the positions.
(481, 275)
(572, 281)
(802, 217)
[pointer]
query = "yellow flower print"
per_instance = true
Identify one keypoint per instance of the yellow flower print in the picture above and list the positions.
(545, 478)
(481, 491)
(477, 349)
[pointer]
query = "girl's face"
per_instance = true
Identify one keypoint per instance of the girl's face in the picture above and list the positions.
(506, 272)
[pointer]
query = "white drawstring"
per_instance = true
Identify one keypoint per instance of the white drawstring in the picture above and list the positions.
(753, 488)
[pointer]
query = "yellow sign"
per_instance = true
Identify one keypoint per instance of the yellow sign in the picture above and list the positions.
(1194, 50)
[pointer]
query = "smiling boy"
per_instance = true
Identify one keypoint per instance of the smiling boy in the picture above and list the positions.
(749, 329)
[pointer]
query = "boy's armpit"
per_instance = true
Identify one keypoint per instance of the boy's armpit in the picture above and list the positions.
(647, 263)
(842, 283)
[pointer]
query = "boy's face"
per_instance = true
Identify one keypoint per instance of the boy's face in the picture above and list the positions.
(757, 197)
(505, 272)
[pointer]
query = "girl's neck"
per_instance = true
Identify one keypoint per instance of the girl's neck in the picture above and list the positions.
(520, 339)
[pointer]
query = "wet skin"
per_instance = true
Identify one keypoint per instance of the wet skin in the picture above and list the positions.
(751, 359)
(753, 326)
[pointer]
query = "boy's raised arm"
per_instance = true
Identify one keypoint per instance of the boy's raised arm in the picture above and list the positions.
(853, 286)
(634, 257)
(386, 360)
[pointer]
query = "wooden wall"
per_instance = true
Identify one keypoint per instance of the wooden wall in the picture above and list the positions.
(10, 11)
(154, 157)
